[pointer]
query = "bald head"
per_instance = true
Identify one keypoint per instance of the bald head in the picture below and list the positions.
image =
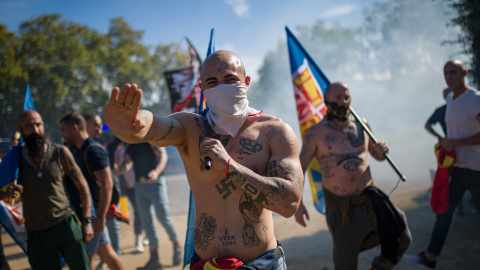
(334, 89)
(223, 67)
(457, 63)
(30, 122)
(454, 72)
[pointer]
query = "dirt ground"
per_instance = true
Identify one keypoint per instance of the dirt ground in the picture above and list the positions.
(311, 247)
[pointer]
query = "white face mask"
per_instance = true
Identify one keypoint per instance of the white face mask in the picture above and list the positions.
(228, 107)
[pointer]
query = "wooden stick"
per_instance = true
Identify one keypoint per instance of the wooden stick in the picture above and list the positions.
(402, 177)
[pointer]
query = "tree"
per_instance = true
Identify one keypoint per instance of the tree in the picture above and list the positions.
(58, 59)
(127, 60)
(71, 67)
(468, 19)
(12, 75)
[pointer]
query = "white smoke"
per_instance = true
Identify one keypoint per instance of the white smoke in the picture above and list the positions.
(393, 64)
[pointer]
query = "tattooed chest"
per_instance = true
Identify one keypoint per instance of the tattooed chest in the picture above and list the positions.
(248, 151)
(350, 137)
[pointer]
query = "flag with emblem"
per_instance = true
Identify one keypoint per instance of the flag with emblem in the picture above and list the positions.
(11, 210)
(309, 84)
(183, 83)
(202, 108)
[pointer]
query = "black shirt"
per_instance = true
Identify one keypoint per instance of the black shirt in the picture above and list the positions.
(90, 160)
(438, 116)
(143, 158)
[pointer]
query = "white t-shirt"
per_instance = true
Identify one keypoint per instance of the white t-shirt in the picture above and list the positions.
(461, 122)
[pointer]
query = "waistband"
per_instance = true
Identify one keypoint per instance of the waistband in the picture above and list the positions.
(345, 203)
(278, 252)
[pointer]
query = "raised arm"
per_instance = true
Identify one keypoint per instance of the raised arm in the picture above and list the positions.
(124, 117)
(75, 174)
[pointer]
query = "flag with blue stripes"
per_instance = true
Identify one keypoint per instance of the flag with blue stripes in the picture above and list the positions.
(309, 84)
(189, 248)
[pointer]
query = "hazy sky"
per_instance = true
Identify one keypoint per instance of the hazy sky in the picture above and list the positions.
(249, 28)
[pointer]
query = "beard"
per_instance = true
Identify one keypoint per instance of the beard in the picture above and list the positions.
(338, 112)
(35, 143)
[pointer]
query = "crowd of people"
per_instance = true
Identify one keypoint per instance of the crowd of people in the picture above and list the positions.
(242, 166)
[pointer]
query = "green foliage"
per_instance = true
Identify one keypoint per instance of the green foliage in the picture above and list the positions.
(468, 19)
(71, 67)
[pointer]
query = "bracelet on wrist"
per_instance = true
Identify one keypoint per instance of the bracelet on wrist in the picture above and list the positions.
(228, 165)
(87, 219)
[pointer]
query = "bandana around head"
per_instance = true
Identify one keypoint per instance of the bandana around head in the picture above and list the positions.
(229, 108)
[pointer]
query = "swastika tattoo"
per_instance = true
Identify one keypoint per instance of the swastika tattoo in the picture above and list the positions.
(226, 187)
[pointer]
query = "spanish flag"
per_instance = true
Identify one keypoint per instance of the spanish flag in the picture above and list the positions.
(309, 84)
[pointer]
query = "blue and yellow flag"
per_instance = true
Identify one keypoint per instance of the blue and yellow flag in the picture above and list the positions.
(11, 213)
(202, 109)
(309, 84)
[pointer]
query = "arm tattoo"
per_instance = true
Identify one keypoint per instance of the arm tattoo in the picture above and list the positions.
(70, 167)
(308, 150)
(197, 120)
(169, 132)
(254, 229)
(204, 232)
(265, 190)
(272, 132)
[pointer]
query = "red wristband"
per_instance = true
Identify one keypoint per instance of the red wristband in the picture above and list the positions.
(228, 165)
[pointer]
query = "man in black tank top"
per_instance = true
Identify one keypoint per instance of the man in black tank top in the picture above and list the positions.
(49, 220)
(151, 189)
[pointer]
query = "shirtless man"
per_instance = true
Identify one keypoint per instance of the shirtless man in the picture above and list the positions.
(340, 146)
(255, 167)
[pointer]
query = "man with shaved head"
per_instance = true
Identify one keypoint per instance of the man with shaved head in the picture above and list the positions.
(340, 145)
(463, 135)
(52, 228)
(254, 171)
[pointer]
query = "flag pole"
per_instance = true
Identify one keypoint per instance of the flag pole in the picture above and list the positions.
(370, 134)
